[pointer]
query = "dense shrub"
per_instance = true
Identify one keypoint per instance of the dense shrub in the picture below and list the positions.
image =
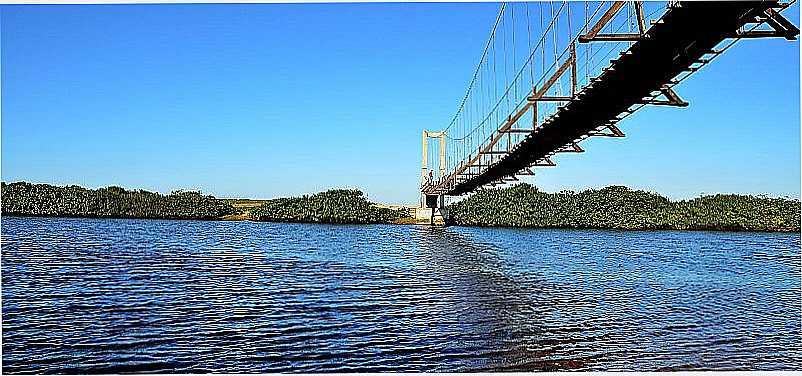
(332, 206)
(113, 202)
(619, 207)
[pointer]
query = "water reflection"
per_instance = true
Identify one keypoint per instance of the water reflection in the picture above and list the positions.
(500, 319)
(111, 296)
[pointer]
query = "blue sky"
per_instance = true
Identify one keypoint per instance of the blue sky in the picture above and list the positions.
(284, 99)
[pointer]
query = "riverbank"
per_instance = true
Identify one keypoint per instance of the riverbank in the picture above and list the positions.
(621, 208)
(523, 205)
(333, 206)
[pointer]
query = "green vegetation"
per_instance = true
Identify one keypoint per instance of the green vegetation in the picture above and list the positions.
(523, 205)
(617, 207)
(28, 199)
(332, 206)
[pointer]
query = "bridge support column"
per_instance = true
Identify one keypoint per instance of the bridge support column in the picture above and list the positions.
(438, 205)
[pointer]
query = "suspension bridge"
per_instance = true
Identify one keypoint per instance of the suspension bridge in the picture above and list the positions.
(553, 74)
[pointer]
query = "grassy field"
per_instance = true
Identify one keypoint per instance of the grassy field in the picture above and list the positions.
(244, 205)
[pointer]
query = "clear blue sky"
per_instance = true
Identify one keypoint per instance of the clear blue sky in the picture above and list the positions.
(274, 100)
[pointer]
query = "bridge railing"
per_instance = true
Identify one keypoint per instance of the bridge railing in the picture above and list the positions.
(532, 64)
(528, 43)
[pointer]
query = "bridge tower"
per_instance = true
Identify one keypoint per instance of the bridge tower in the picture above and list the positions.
(442, 154)
(435, 202)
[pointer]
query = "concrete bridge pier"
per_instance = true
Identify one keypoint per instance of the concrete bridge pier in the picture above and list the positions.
(437, 205)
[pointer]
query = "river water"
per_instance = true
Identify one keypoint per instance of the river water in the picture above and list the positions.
(112, 296)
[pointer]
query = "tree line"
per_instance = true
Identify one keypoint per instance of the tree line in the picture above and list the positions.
(26, 199)
(523, 205)
(332, 206)
(618, 207)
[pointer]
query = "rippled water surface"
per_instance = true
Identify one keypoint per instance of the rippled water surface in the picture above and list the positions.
(111, 296)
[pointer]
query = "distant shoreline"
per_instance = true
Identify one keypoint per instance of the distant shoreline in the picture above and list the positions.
(422, 224)
(519, 207)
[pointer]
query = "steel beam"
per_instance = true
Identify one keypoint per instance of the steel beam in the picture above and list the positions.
(571, 148)
(552, 99)
(781, 24)
(605, 18)
(543, 162)
(673, 99)
(640, 17)
(614, 132)
(517, 130)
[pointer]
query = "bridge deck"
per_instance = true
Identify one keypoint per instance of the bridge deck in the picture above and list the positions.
(682, 36)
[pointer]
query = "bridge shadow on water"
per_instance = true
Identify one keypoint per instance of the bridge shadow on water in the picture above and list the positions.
(615, 300)
(506, 319)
